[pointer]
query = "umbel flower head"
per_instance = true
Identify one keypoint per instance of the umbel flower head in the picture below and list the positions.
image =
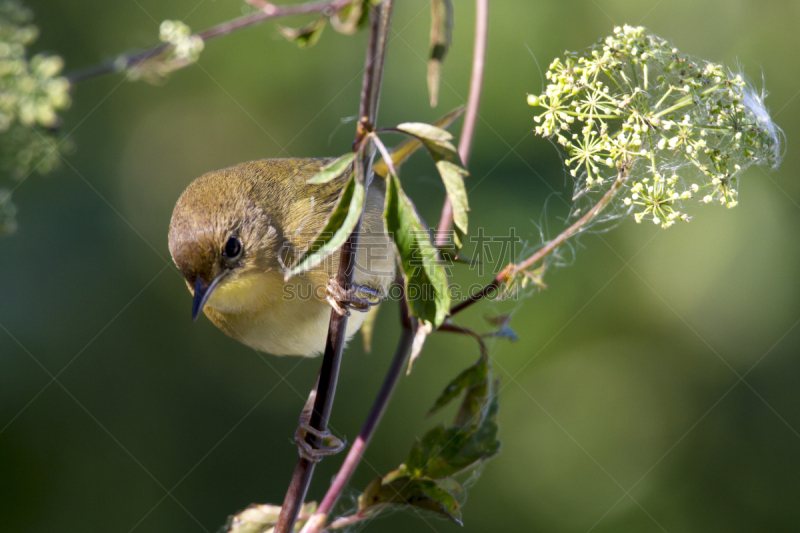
(674, 127)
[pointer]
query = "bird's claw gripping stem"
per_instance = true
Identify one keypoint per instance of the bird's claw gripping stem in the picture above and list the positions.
(342, 300)
(330, 444)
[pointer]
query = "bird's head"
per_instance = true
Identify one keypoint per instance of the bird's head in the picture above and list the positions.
(221, 239)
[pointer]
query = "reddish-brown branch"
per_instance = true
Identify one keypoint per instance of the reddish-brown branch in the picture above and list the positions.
(380, 20)
(471, 115)
(354, 456)
(268, 12)
(508, 272)
(317, 521)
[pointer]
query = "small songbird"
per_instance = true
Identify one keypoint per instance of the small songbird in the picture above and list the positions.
(235, 231)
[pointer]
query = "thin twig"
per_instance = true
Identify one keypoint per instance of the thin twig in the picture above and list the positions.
(380, 19)
(317, 521)
(471, 116)
(127, 61)
(354, 456)
(508, 272)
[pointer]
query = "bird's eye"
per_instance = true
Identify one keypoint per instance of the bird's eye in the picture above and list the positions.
(233, 248)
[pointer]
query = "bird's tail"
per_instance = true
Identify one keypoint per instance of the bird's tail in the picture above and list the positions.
(403, 151)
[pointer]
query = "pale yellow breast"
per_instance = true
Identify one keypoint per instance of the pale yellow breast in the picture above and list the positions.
(263, 312)
(260, 310)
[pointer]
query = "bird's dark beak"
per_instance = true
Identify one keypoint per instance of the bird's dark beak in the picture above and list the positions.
(202, 292)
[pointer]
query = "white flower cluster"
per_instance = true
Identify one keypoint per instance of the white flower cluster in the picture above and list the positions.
(633, 105)
(31, 95)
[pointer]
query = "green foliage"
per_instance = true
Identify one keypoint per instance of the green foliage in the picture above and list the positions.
(425, 279)
(471, 377)
(305, 36)
(347, 20)
(424, 494)
(426, 131)
(437, 141)
(353, 16)
(634, 102)
(338, 228)
(401, 152)
(453, 177)
(426, 479)
(334, 169)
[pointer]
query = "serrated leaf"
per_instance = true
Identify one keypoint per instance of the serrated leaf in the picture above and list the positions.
(367, 327)
(403, 151)
(334, 169)
(475, 401)
(485, 436)
(306, 36)
(339, 226)
(468, 378)
(445, 452)
(421, 493)
(425, 131)
(425, 279)
(441, 37)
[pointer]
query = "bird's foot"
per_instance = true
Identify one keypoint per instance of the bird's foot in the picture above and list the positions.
(328, 444)
(341, 300)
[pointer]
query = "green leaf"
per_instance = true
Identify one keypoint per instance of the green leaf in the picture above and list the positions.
(446, 157)
(339, 226)
(453, 178)
(441, 37)
(472, 406)
(351, 17)
(421, 493)
(403, 151)
(468, 378)
(485, 436)
(445, 452)
(425, 131)
(334, 169)
(425, 279)
(306, 36)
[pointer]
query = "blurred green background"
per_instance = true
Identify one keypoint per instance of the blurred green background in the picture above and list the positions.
(654, 385)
